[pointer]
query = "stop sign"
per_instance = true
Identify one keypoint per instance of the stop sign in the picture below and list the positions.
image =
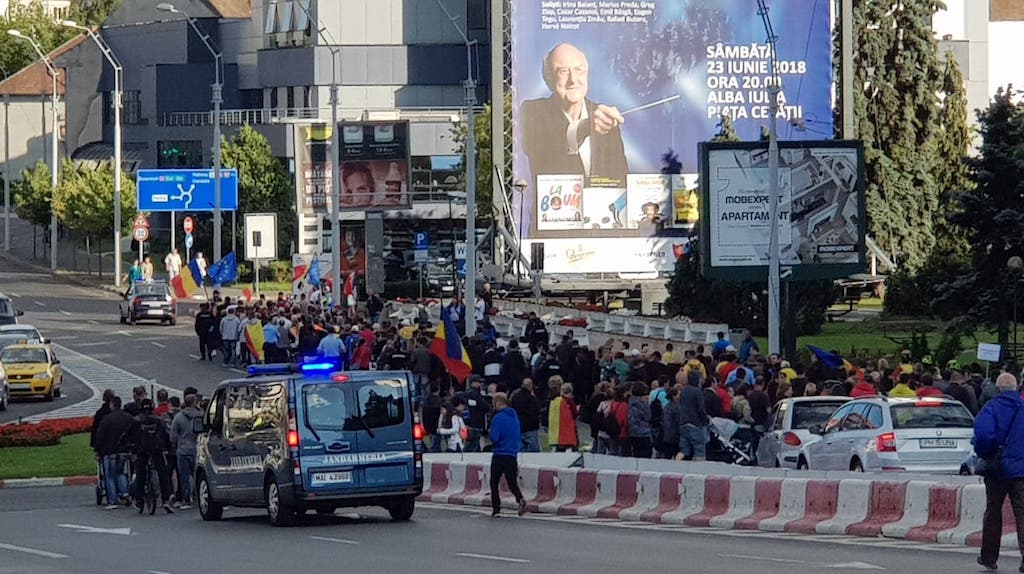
(187, 224)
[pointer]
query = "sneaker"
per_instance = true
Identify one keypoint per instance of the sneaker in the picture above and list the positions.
(168, 509)
(185, 506)
(177, 504)
(522, 507)
(113, 506)
(987, 565)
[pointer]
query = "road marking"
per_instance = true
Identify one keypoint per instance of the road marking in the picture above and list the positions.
(494, 558)
(18, 295)
(155, 344)
(63, 312)
(125, 333)
(855, 566)
(94, 322)
(338, 540)
(156, 572)
(40, 303)
(94, 344)
(27, 550)
(762, 558)
(239, 371)
(196, 357)
(96, 530)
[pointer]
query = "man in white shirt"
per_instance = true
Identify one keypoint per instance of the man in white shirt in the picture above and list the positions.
(173, 264)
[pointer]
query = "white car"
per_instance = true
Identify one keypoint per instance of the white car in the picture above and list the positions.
(788, 428)
(20, 335)
(880, 434)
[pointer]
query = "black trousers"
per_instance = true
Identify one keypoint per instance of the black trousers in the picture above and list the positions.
(507, 466)
(996, 491)
(163, 471)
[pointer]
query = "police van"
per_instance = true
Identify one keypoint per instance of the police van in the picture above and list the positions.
(295, 438)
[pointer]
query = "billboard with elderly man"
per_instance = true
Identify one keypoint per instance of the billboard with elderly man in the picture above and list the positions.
(612, 97)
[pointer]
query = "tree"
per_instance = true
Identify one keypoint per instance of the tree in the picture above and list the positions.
(992, 216)
(951, 174)
(263, 182)
(85, 199)
(896, 81)
(484, 160)
(33, 194)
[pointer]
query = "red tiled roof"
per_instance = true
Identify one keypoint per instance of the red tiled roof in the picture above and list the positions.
(34, 79)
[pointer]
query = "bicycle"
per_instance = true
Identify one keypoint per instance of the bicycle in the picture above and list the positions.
(150, 488)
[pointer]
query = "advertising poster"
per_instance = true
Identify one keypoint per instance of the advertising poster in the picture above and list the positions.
(560, 203)
(685, 200)
(821, 205)
(604, 208)
(647, 203)
(605, 90)
(374, 159)
(312, 168)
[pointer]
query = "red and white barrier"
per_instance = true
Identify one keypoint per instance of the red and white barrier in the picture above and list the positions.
(918, 511)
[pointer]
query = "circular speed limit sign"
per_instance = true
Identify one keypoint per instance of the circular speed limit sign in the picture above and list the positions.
(140, 234)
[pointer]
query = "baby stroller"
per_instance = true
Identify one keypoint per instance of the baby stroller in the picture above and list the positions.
(730, 442)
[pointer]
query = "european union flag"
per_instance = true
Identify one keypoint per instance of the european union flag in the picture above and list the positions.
(225, 270)
(314, 272)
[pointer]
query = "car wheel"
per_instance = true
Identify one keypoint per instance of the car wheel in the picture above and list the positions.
(402, 508)
(856, 466)
(280, 513)
(53, 392)
(802, 464)
(123, 320)
(131, 319)
(208, 509)
(965, 470)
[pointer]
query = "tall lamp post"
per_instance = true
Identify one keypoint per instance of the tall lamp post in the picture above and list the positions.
(53, 141)
(7, 163)
(1016, 266)
(332, 46)
(118, 147)
(520, 186)
(470, 86)
(216, 89)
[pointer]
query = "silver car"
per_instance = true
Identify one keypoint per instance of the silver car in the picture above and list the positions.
(20, 334)
(880, 434)
(788, 428)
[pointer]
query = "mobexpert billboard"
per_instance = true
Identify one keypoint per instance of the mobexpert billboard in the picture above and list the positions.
(604, 90)
(821, 209)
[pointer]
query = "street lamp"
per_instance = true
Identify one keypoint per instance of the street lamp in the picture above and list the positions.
(470, 86)
(332, 46)
(7, 169)
(53, 141)
(1016, 266)
(216, 89)
(116, 105)
(520, 186)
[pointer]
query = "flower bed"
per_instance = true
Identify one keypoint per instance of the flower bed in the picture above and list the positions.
(45, 433)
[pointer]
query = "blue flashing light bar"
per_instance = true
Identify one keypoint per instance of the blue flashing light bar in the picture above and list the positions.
(318, 367)
(271, 369)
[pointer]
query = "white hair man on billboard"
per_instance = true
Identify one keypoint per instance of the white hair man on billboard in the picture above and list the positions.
(566, 133)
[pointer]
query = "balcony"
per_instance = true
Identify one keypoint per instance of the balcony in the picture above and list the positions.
(293, 115)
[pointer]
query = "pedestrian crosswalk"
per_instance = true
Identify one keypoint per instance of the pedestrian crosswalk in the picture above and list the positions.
(97, 376)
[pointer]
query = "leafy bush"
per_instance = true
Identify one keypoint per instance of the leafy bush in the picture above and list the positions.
(45, 433)
(280, 271)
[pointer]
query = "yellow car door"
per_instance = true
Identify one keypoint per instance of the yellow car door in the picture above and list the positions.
(56, 370)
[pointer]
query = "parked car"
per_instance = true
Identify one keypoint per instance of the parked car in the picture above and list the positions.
(8, 314)
(20, 334)
(788, 428)
(148, 302)
(929, 435)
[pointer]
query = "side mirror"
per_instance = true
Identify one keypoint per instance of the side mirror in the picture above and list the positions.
(46, 341)
(815, 429)
(198, 427)
(19, 313)
(56, 361)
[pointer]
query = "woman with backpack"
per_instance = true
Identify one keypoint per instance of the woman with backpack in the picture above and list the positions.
(639, 421)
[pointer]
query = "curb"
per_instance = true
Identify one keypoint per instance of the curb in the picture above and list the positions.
(89, 480)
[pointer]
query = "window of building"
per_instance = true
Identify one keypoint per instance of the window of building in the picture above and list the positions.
(285, 14)
(432, 176)
(251, 99)
(132, 107)
(302, 16)
(291, 96)
(273, 98)
(477, 14)
(175, 154)
(270, 20)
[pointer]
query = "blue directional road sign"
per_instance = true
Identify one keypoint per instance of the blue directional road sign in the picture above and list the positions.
(189, 241)
(185, 189)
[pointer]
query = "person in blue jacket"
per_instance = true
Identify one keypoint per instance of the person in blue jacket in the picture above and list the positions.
(998, 428)
(505, 440)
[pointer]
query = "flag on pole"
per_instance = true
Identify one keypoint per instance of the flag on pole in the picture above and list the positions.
(254, 340)
(350, 285)
(447, 346)
(313, 274)
(186, 282)
(225, 270)
(247, 293)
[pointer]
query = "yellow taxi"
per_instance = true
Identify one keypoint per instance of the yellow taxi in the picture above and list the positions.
(32, 370)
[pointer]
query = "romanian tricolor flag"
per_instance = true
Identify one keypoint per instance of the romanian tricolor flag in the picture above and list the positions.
(187, 281)
(254, 340)
(449, 349)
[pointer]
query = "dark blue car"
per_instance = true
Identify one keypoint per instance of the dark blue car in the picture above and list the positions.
(292, 439)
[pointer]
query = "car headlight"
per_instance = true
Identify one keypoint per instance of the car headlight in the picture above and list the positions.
(42, 376)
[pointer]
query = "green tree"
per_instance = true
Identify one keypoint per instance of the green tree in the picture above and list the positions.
(31, 20)
(897, 77)
(85, 199)
(951, 174)
(484, 160)
(93, 12)
(263, 182)
(992, 217)
(33, 194)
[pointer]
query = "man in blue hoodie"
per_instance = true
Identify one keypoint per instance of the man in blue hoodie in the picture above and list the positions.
(505, 440)
(999, 432)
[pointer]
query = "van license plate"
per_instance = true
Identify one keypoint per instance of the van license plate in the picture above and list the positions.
(331, 477)
(938, 443)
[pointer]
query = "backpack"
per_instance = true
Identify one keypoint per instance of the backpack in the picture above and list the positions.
(608, 423)
(657, 416)
(150, 436)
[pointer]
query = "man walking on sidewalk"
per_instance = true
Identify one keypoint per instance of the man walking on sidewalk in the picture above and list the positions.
(505, 438)
(999, 442)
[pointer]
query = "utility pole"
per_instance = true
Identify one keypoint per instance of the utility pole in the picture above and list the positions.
(774, 255)
(470, 86)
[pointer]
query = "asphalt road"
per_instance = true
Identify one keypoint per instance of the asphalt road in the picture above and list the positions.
(59, 530)
(85, 319)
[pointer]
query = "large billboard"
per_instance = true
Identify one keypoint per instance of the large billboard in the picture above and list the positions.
(608, 96)
(820, 209)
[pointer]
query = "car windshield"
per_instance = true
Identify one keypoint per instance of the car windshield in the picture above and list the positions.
(10, 356)
(806, 415)
(931, 415)
(151, 289)
(21, 333)
(5, 307)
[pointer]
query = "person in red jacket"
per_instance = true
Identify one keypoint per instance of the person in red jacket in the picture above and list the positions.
(863, 389)
(620, 410)
(927, 389)
(562, 413)
(361, 356)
